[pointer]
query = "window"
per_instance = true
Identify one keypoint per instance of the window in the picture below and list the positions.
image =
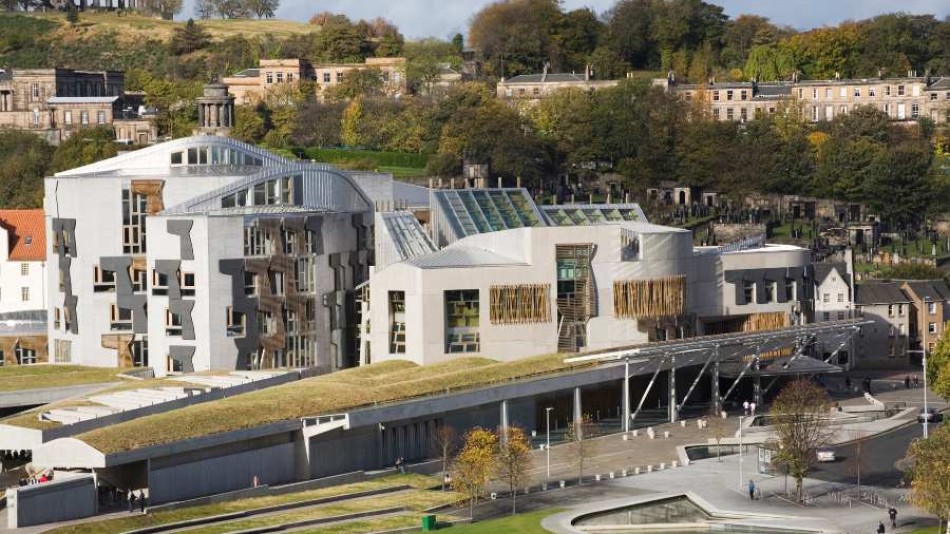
(326, 77)
(187, 283)
(103, 280)
(100, 117)
(83, 117)
(237, 322)
(900, 90)
(825, 316)
(276, 282)
(25, 294)
(120, 319)
(716, 113)
(280, 77)
(339, 76)
(933, 96)
(290, 77)
(728, 95)
(24, 356)
(461, 321)
(826, 298)
(265, 323)
(134, 209)
(857, 92)
(68, 117)
(789, 289)
(172, 323)
(24, 269)
(840, 297)
(890, 310)
(843, 92)
(139, 352)
(840, 316)
(159, 283)
(814, 93)
(269, 77)
(887, 90)
(36, 117)
(397, 322)
(744, 114)
(914, 110)
(814, 113)
(743, 95)
(56, 319)
(715, 96)
(932, 308)
(62, 351)
(250, 283)
(139, 279)
(748, 291)
(771, 292)
(827, 93)
(900, 310)
(801, 93)
(872, 91)
(932, 328)
(730, 114)
(255, 243)
(902, 329)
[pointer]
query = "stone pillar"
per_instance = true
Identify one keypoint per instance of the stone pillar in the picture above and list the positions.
(757, 384)
(716, 398)
(674, 412)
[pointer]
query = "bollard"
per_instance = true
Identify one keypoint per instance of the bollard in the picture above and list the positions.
(650, 468)
(610, 474)
(673, 464)
(683, 423)
(666, 434)
(662, 466)
(534, 433)
(623, 473)
(626, 437)
(636, 471)
(562, 484)
(544, 486)
(597, 478)
(636, 433)
(494, 495)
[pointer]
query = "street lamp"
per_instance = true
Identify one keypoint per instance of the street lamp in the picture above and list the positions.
(926, 411)
(740, 453)
(547, 446)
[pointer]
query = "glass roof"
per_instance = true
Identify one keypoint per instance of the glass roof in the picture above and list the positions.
(489, 210)
(589, 214)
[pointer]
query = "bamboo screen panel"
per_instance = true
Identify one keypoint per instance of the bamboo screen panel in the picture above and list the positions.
(660, 297)
(520, 304)
(765, 321)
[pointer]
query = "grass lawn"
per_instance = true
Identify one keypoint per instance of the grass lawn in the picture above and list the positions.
(337, 392)
(50, 376)
(419, 498)
(518, 524)
(929, 530)
(136, 26)
(405, 172)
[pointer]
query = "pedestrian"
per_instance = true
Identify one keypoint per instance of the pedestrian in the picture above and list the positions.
(131, 501)
(751, 490)
(892, 513)
(847, 383)
(752, 409)
(916, 381)
(880, 527)
(745, 408)
(907, 382)
(142, 501)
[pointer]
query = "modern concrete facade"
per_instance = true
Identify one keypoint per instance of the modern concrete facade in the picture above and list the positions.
(57, 103)
(513, 280)
(249, 261)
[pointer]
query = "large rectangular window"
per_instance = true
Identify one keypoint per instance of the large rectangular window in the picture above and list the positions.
(103, 280)
(237, 323)
(748, 291)
(24, 356)
(397, 322)
(120, 319)
(139, 349)
(461, 321)
(134, 210)
(172, 323)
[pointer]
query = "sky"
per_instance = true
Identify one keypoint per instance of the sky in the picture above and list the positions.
(445, 18)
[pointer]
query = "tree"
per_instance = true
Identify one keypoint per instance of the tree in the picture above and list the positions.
(938, 367)
(263, 9)
(443, 443)
(349, 123)
(719, 428)
(582, 448)
(188, 38)
(475, 464)
(84, 147)
(72, 14)
(515, 36)
(514, 461)
(161, 8)
(930, 485)
(800, 415)
(358, 83)
(26, 159)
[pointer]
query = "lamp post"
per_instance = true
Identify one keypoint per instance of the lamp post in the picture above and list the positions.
(547, 446)
(926, 415)
(740, 453)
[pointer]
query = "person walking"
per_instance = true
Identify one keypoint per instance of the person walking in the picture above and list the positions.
(131, 501)
(751, 490)
(745, 408)
(892, 513)
(847, 383)
(880, 527)
(142, 501)
(907, 382)
(752, 409)
(916, 381)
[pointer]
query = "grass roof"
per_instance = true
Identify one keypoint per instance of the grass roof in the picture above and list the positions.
(333, 393)
(22, 377)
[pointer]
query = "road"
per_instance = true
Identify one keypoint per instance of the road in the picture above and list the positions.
(876, 456)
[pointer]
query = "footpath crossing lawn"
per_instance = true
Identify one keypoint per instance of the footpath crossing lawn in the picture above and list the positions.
(421, 496)
(519, 524)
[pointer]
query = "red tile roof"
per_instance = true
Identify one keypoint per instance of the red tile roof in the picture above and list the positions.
(27, 230)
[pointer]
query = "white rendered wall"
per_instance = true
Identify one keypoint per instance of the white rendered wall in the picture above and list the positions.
(833, 286)
(12, 281)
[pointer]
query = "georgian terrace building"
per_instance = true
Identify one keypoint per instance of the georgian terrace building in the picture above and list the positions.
(902, 99)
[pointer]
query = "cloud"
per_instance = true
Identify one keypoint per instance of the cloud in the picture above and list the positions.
(445, 18)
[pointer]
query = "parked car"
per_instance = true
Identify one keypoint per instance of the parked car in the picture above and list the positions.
(931, 415)
(826, 455)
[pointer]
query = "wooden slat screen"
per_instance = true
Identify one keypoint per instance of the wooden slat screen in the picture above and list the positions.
(520, 304)
(659, 297)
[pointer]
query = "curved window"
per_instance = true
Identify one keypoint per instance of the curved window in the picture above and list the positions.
(215, 155)
(275, 192)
